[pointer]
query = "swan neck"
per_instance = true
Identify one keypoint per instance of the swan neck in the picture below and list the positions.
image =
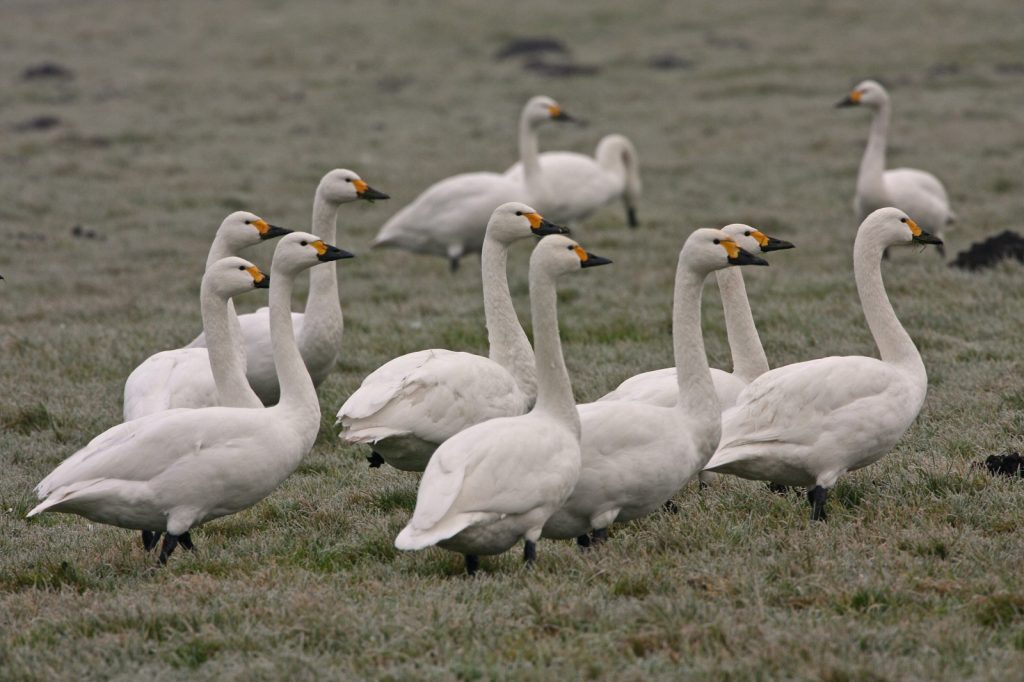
(227, 364)
(554, 390)
(529, 154)
(509, 346)
(872, 165)
(323, 305)
(748, 358)
(298, 394)
(697, 395)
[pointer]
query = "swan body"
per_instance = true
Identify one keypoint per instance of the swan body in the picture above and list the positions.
(412, 404)
(809, 423)
(450, 217)
(183, 377)
(659, 387)
(498, 482)
(320, 328)
(636, 456)
(918, 193)
(568, 186)
(171, 471)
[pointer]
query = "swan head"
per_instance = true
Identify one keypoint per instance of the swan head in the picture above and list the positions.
(341, 186)
(892, 227)
(542, 108)
(707, 250)
(754, 240)
(233, 276)
(557, 255)
(513, 221)
(242, 229)
(867, 93)
(302, 250)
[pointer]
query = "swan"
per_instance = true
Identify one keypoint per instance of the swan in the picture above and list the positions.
(636, 456)
(808, 423)
(319, 329)
(412, 404)
(499, 481)
(200, 377)
(917, 192)
(449, 218)
(660, 387)
(172, 471)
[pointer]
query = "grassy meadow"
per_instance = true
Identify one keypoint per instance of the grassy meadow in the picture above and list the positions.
(176, 114)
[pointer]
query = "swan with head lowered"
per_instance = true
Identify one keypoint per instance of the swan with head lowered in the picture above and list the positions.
(808, 423)
(918, 193)
(497, 482)
(635, 455)
(320, 328)
(450, 217)
(412, 404)
(172, 471)
(660, 387)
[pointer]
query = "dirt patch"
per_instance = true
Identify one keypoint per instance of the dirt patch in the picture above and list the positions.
(46, 71)
(37, 123)
(522, 47)
(985, 254)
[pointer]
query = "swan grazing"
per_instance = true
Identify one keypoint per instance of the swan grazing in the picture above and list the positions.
(498, 482)
(450, 217)
(412, 404)
(171, 471)
(809, 423)
(319, 330)
(636, 456)
(659, 387)
(920, 194)
(200, 377)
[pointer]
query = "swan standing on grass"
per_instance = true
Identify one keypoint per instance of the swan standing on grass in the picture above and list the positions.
(636, 456)
(172, 471)
(412, 404)
(809, 423)
(920, 194)
(660, 387)
(498, 482)
(200, 377)
(450, 217)
(320, 328)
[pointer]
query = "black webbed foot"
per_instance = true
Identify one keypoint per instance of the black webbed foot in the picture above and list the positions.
(583, 541)
(529, 552)
(599, 536)
(817, 496)
(375, 460)
(472, 564)
(170, 542)
(185, 540)
(150, 538)
(671, 507)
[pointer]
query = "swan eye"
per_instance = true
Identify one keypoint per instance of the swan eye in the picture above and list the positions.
(304, 243)
(718, 241)
(248, 222)
(903, 220)
(747, 233)
(570, 248)
(519, 213)
(241, 267)
(348, 179)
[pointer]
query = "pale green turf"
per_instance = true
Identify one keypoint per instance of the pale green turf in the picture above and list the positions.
(182, 112)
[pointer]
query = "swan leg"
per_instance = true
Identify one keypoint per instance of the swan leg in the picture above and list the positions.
(472, 564)
(529, 552)
(599, 536)
(170, 542)
(817, 496)
(186, 541)
(777, 488)
(631, 217)
(149, 539)
(583, 541)
(454, 252)
(671, 507)
(374, 459)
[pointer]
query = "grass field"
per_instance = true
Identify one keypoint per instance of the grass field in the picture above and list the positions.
(178, 113)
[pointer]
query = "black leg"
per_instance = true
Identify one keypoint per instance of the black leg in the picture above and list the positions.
(374, 459)
(599, 536)
(583, 541)
(150, 538)
(701, 485)
(472, 563)
(170, 542)
(631, 217)
(777, 488)
(529, 552)
(817, 496)
(453, 264)
(186, 541)
(671, 506)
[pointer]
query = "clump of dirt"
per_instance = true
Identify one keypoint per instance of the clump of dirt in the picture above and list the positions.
(521, 47)
(546, 57)
(1010, 464)
(669, 61)
(37, 123)
(987, 253)
(47, 70)
(80, 232)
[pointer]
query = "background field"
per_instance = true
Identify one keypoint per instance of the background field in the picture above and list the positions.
(179, 113)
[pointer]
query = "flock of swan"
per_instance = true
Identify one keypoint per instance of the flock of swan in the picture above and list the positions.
(505, 452)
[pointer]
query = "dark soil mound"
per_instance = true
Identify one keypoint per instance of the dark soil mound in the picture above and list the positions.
(1011, 464)
(987, 253)
(521, 47)
(47, 70)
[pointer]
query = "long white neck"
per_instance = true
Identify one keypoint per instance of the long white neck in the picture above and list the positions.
(298, 395)
(509, 346)
(894, 344)
(529, 156)
(233, 389)
(554, 391)
(697, 395)
(220, 248)
(323, 306)
(872, 165)
(748, 358)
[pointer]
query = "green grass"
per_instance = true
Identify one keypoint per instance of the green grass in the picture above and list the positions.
(180, 113)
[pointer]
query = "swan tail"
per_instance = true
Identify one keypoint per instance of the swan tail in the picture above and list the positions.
(412, 538)
(61, 495)
(371, 434)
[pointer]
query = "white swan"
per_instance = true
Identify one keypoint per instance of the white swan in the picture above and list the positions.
(659, 387)
(636, 456)
(498, 482)
(919, 193)
(809, 423)
(320, 328)
(450, 217)
(412, 404)
(171, 471)
(200, 377)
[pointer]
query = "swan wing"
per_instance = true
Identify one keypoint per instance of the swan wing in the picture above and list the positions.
(575, 185)
(661, 387)
(170, 379)
(923, 180)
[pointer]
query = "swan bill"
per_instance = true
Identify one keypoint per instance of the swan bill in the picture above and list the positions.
(541, 227)
(268, 231)
(590, 260)
(745, 258)
(925, 238)
(364, 191)
(771, 243)
(851, 100)
(326, 252)
(259, 279)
